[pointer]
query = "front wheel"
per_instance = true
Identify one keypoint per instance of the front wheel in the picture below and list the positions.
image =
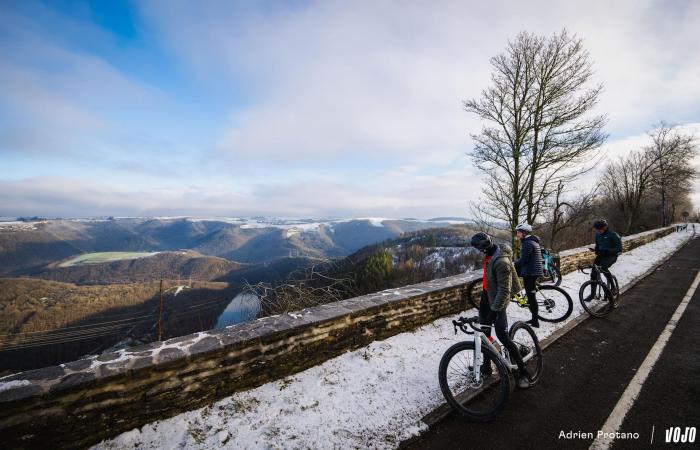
(554, 304)
(596, 298)
(479, 400)
(615, 288)
(528, 345)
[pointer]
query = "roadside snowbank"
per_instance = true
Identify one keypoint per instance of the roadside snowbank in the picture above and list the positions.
(374, 397)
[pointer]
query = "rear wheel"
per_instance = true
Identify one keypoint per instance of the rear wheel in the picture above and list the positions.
(477, 400)
(551, 275)
(473, 292)
(614, 288)
(596, 298)
(556, 276)
(553, 303)
(528, 345)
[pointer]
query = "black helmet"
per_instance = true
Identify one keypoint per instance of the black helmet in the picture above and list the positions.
(481, 241)
(600, 223)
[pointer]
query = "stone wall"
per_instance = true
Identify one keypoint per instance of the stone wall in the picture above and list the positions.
(572, 259)
(77, 404)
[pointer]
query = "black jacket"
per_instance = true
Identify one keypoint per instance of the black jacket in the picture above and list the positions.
(608, 243)
(530, 261)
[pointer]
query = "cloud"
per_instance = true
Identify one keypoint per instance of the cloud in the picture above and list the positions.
(409, 190)
(385, 80)
(398, 193)
(308, 108)
(60, 99)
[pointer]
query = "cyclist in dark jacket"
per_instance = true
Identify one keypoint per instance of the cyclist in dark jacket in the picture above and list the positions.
(608, 246)
(499, 284)
(529, 266)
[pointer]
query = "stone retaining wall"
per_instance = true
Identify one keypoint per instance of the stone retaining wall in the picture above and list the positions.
(77, 404)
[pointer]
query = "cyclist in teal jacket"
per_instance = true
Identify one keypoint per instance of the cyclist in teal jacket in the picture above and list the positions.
(608, 246)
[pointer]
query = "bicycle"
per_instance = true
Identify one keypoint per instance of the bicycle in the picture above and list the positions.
(598, 297)
(548, 302)
(550, 268)
(475, 376)
(554, 303)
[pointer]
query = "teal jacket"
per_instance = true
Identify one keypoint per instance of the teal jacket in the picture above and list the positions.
(608, 243)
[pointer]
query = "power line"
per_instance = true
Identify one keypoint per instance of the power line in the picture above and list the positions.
(129, 318)
(96, 332)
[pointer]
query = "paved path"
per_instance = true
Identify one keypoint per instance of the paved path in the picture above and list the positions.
(587, 371)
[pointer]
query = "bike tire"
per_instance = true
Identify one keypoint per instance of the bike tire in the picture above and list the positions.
(501, 387)
(534, 365)
(473, 298)
(556, 276)
(603, 306)
(615, 288)
(547, 301)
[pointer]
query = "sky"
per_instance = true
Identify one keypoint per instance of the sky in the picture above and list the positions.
(297, 108)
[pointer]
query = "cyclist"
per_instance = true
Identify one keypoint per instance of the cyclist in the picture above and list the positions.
(529, 266)
(608, 246)
(500, 282)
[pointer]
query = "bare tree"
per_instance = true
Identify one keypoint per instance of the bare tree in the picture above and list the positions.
(564, 137)
(627, 182)
(303, 288)
(567, 214)
(672, 180)
(538, 132)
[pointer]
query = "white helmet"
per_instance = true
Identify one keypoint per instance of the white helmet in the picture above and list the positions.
(524, 227)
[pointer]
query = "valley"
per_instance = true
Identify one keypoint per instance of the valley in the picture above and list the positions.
(72, 287)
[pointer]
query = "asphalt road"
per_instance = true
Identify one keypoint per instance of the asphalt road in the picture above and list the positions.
(587, 370)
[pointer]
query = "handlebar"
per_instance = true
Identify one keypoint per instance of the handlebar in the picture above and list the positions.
(582, 269)
(462, 323)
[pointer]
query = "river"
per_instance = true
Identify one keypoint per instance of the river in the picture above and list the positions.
(243, 307)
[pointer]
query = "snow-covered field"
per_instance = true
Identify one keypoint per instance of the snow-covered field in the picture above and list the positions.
(373, 397)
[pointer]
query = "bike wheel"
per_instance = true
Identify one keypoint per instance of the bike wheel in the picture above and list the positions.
(479, 401)
(473, 292)
(556, 276)
(601, 301)
(553, 303)
(526, 340)
(615, 288)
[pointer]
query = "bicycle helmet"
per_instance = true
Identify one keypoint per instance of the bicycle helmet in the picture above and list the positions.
(600, 223)
(481, 241)
(524, 227)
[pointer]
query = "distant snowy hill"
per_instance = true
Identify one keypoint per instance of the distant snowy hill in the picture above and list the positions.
(28, 246)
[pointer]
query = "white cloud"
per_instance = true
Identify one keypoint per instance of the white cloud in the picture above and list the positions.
(330, 95)
(383, 79)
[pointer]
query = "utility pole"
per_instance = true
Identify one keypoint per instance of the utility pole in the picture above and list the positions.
(160, 310)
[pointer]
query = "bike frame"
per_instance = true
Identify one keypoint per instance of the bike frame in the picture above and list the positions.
(523, 301)
(546, 261)
(479, 340)
(598, 272)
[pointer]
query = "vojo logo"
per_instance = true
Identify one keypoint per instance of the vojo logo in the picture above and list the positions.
(677, 434)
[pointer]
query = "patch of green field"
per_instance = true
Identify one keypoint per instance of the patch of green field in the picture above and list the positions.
(101, 257)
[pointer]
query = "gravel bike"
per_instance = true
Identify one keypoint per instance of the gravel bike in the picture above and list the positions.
(554, 303)
(598, 296)
(550, 268)
(475, 376)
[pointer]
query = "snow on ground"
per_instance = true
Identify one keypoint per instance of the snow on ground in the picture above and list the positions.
(373, 397)
(13, 384)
